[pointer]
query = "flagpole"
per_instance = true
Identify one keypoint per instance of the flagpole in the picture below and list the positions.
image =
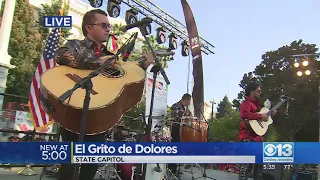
(61, 14)
(188, 83)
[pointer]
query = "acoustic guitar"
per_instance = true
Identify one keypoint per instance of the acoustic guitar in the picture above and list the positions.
(114, 92)
(261, 127)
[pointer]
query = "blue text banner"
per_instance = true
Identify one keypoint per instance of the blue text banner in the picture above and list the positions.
(66, 152)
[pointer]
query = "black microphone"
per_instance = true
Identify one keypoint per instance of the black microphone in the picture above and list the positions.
(157, 126)
(129, 48)
(143, 22)
(164, 53)
(157, 169)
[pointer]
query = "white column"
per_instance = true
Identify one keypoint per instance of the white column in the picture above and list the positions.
(5, 31)
(1, 3)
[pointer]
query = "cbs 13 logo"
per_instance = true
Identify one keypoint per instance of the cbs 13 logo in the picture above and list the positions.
(278, 149)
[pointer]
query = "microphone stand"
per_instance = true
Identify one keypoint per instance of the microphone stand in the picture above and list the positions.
(208, 129)
(86, 84)
(204, 174)
(155, 70)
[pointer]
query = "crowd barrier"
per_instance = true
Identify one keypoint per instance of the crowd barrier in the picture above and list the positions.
(16, 126)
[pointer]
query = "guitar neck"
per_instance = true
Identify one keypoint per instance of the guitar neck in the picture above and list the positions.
(276, 106)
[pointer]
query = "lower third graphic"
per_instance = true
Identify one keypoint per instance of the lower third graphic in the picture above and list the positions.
(278, 152)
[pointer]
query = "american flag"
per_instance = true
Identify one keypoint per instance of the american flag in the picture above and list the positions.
(47, 61)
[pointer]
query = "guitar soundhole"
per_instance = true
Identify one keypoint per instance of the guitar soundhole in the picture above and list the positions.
(113, 73)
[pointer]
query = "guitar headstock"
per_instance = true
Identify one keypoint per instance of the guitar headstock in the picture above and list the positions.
(267, 104)
(283, 99)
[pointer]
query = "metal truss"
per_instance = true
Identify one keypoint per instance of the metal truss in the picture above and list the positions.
(159, 16)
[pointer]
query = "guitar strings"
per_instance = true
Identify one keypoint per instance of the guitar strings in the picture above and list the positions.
(116, 71)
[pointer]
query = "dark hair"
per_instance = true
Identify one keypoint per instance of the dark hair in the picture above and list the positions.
(89, 18)
(186, 96)
(251, 87)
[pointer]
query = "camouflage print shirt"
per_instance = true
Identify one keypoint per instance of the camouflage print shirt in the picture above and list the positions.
(81, 54)
(178, 111)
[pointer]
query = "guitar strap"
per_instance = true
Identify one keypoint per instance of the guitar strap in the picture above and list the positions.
(245, 122)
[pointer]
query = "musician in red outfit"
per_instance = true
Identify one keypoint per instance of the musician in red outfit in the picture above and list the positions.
(248, 111)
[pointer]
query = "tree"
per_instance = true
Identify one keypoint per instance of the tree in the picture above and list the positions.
(225, 128)
(135, 112)
(24, 48)
(53, 9)
(246, 79)
(141, 46)
(224, 107)
(117, 30)
(156, 47)
(278, 76)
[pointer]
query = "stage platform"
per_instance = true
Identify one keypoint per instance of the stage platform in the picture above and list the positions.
(12, 174)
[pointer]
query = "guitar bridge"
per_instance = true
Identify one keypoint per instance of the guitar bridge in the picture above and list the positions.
(260, 125)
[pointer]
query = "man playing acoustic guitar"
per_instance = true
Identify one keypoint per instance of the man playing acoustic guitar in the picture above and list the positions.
(248, 111)
(87, 54)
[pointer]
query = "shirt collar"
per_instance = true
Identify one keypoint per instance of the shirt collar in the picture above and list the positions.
(91, 43)
(252, 100)
(180, 103)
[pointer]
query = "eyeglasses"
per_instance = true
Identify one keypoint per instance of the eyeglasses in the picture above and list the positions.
(103, 25)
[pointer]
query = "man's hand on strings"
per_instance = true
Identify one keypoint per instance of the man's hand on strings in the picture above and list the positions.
(113, 64)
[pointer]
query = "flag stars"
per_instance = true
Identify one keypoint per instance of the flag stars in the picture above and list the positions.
(48, 60)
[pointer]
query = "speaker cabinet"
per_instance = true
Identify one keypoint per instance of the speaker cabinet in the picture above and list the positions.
(306, 175)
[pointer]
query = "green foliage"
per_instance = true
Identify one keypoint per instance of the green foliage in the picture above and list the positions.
(272, 135)
(117, 30)
(135, 112)
(224, 108)
(278, 76)
(226, 128)
(246, 79)
(24, 47)
(53, 9)
(141, 45)
(156, 47)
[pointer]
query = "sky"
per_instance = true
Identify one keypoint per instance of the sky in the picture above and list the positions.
(241, 31)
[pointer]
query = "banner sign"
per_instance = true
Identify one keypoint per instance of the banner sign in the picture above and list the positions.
(23, 122)
(194, 39)
(66, 153)
(160, 98)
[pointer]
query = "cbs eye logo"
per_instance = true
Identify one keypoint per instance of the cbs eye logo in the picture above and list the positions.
(278, 150)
